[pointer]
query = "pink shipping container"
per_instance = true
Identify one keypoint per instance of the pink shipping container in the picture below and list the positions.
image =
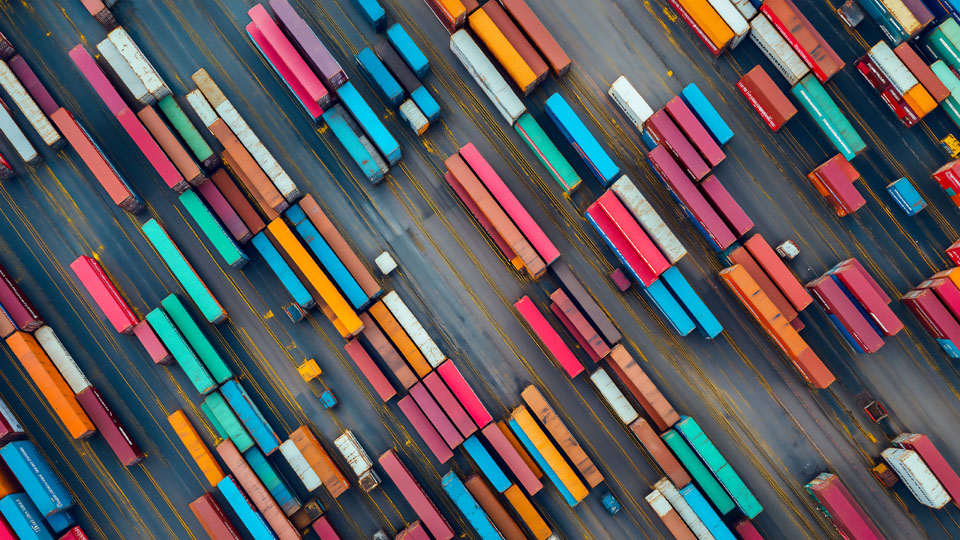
(633, 232)
(844, 511)
(746, 530)
(6, 533)
(324, 529)
(104, 293)
(370, 370)
(75, 533)
(481, 218)
(728, 208)
(313, 109)
(411, 490)
(946, 290)
(933, 315)
(512, 458)
(568, 324)
(464, 393)
(425, 429)
(634, 261)
(413, 531)
(152, 344)
(954, 252)
(94, 75)
(289, 55)
(110, 427)
(855, 264)
(666, 133)
(227, 215)
(534, 234)
(698, 207)
(17, 305)
(864, 289)
(922, 445)
(836, 303)
(435, 415)
(694, 130)
(548, 336)
(457, 414)
(152, 151)
(32, 83)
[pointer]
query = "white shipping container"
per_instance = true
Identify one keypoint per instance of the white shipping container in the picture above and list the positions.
(613, 396)
(61, 358)
(902, 14)
(414, 117)
(663, 509)
(672, 495)
(15, 136)
(486, 75)
(29, 107)
(921, 481)
(304, 472)
(745, 7)
(414, 329)
(649, 219)
(892, 67)
(202, 107)
(8, 416)
(139, 63)
(733, 18)
(125, 73)
(777, 50)
(630, 102)
(349, 446)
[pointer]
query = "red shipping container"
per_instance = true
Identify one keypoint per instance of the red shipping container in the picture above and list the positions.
(695, 131)
(835, 302)
(659, 452)
(450, 21)
(742, 257)
(728, 208)
(435, 414)
(865, 292)
(633, 232)
(301, 73)
(844, 511)
(514, 461)
(109, 426)
(633, 260)
(461, 389)
(746, 530)
(370, 370)
(933, 315)
(583, 331)
(549, 337)
(855, 264)
(922, 445)
(516, 38)
(104, 293)
(75, 533)
(17, 305)
(485, 223)
(922, 71)
(431, 437)
(767, 99)
(948, 176)
(152, 344)
(213, 519)
(395, 363)
(238, 201)
(804, 38)
(225, 213)
(946, 290)
(324, 529)
(152, 151)
(418, 499)
(778, 272)
(953, 251)
(538, 34)
(665, 132)
(457, 414)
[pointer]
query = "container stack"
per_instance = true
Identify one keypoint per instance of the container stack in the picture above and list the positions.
(899, 21)
(936, 303)
(856, 305)
(906, 83)
(34, 501)
(834, 180)
(720, 25)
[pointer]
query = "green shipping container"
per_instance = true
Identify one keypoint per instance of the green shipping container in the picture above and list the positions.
(548, 153)
(230, 426)
(181, 352)
(196, 338)
(819, 105)
(708, 484)
(178, 119)
(729, 479)
(213, 230)
(221, 432)
(284, 498)
(194, 286)
(941, 46)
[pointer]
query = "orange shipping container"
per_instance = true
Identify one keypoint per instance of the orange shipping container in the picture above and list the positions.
(742, 257)
(8, 484)
(528, 514)
(51, 384)
(319, 461)
(399, 337)
(503, 51)
(642, 388)
(709, 21)
(244, 164)
(501, 519)
(551, 455)
(920, 101)
(171, 145)
(196, 448)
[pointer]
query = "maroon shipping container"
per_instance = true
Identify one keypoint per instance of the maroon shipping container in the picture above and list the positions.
(836, 303)
(728, 208)
(238, 201)
(411, 490)
(109, 426)
(746, 530)
(921, 70)
(922, 445)
(584, 331)
(388, 353)
(32, 83)
(255, 490)
(6, 48)
(370, 370)
(76, 533)
(582, 341)
(698, 207)
(587, 304)
(833, 179)
(431, 437)
(695, 131)
(946, 291)
(514, 461)
(659, 452)
(516, 38)
(17, 304)
(843, 510)
(767, 99)
(953, 251)
(538, 34)
(455, 411)
(10, 428)
(226, 213)
(864, 288)
(213, 519)
(152, 344)
(742, 257)
(666, 133)
(435, 414)
(932, 314)
(104, 293)
(309, 46)
(324, 529)
(620, 279)
(413, 531)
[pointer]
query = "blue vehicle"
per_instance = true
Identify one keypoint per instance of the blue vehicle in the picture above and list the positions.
(494, 474)
(373, 12)
(369, 122)
(707, 113)
(380, 76)
(23, 517)
(408, 50)
(327, 399)
(906, 196)
(242, 507)
(610, 503)
(283, 271)
(250, 416)
(576, 133)
(659, 296)
(476, 516)
(427, 104)
(336, 118)
(37, 477)
(708, 324)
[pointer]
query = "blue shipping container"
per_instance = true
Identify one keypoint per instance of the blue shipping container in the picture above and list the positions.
(408, 50)
(328, 259)
(61, 521)
(283, 271)
(705, 111)
(272, 480)
(711, 520)
(335, 117)
(949, 348)
(370, 122)
(23, 517)
(36, 476)
(373, 12)
(577, 134)
(476, 517)
(486, 464)
(250, 416)
(541, 462)
(906, 196)
(658, 294)
(381, 78)
(243, 508)
(427, 104)
(647, 140)
(943, 8)
(708, 324)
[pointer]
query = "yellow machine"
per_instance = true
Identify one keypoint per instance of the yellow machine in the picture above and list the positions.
(951, 146)
(309, 370)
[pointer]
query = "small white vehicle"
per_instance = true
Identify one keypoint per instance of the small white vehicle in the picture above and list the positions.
(788, 250)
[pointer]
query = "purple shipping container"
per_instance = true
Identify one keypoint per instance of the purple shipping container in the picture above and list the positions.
(866, 293)
(425, 429)
(933, 315)
(836, 303)
(687, 193)
(32, 83)
(309, 46)
(109, 426)
(666, 133)
(152, 151)
(947, 292)
(17, 305)
(435, 414)
(731, 212)
(227, 215)
(94, 75)
(694, 130)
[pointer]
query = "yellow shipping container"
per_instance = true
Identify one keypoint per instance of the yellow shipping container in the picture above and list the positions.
(521, 415)
(195, 447)
(453, 8)
(709, 21)
(503, 51)
(920, 101)
(528, 514)
(314, 274)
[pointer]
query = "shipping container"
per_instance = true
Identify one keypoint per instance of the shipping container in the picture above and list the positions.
(411, 325)
(538, 34)
(532, 519)
(484, 461)
(511, 458)
(110, 427)
(225, 212)
(370, 370)
(578, 325)
(341, 247)
(10, 428)
(213, 519)
(505, 53)
(185, 357)
(324, 529)
(668, 306)
(141, 66)
(548, 336)
(935, 317)
(906, 196)
(626, 238)
(286, 73)
(320, 461)
(695, 307)
(38, 479)
(74, 533)
(614, 397)
(668, 516)
(767, 99)
(706, 23)
(97, 80)
(561, 434)
(62, 359)
(195, 447)
(919, 479)
(388, 354)
(222, 242)
(373, 13)
(742, 257)
(220, 414)
(272, 480)
(468, 506)
(171, 146)
(832, 182)
(922, 72)
(24, 518)
(547, 152)
(464, 393)
(399, 337)
(257, 492)
(778, 271)
(673, 497)
(486, 76)
(381, 79)
(663, 131)
(32, 83)
(188, 132)
(585, 301)
(357, 458)
(777, 49)
(634, 107)
(728, 208)
(943, 47)
(414, 117)
(336, 119)
(708, 516)
(243, 508)
(659, 452)
(841, 508)
(283, 271)
(451, 13)
(868, 293)
(453, 409)
(578, 135)
(7, 326)
(51, 384)
(804, 38)
(892, 67)
(124, 72)
(104, 293)
(151, 150)
(370, 123)
(396, 66)
(547, 456)
(435, 415)
(835, 126)
(643, 389)
(316, 55)
(251, 417)
(698, 471)
(17, 139)
(425, 429)
(517, 40)
(414, 494)
(299, 464)
(502, 520)
(694, 130)
(922, 445)
(31, 111)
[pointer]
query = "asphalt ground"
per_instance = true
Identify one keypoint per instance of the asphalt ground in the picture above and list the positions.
(776, 431)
